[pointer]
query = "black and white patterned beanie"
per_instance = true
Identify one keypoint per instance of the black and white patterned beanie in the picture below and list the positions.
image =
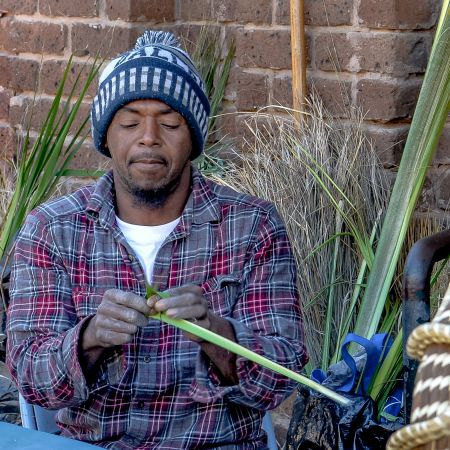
(157, 68)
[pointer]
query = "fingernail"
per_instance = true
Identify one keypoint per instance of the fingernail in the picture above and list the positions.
(151, 301)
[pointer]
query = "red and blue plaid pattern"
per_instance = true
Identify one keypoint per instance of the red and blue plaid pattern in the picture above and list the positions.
(160, 391)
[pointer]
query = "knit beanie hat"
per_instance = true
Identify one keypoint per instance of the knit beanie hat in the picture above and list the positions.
(157, 68)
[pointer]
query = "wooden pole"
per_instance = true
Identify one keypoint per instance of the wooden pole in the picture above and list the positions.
(298, 51)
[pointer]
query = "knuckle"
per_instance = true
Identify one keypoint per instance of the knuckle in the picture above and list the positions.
(111, 294)
(131, 316)
(198, 290)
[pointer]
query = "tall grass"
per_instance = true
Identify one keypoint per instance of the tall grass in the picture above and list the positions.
(330, 188)
(327, 184)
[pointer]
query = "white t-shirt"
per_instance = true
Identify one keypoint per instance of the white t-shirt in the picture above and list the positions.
(146, 241)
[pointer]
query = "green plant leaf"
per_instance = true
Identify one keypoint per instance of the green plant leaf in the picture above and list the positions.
(43, 164)
(428, 121)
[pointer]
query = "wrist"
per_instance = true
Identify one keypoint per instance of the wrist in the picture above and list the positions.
(88, 338)
(89, 350)
(221, 326)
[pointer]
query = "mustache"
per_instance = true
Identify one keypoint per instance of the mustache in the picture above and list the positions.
(147, 158)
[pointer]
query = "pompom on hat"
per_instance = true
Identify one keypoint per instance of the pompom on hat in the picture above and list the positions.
(156, 68)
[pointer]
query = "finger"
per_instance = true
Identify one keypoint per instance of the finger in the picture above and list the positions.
(128, 299)
(196, 313)
(118, 326)
(109, 338)
(151, 301)
(121, 313)
(180, 298)
(189, 288)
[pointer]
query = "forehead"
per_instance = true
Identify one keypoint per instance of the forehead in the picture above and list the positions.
(147, 106)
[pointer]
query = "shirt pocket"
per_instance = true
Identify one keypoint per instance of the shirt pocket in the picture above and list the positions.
(222, 292)
(86, 299)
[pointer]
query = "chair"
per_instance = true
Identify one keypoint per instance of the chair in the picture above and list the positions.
(269, 429)
(37, 418)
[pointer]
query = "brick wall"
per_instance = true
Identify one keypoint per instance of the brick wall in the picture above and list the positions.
(370, 54)
(380, 48)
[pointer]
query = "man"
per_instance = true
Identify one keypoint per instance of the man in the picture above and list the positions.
(79, 336)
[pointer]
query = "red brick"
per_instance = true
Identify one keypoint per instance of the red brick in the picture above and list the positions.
(399, 14)
(196, 9)
(8, 142)
(248, 90)
(35, 37)
(18, 73)
(87, 157)
(333, 51)
(336, 95)
(243, 11)
(140, 10)
(443, 151)
(392, 53)
(388, 142)
(5, 97)
(25, 113)
(282, 90)
(83, 113)
(79, 8)
(323, 13)
(15, 7)
(88, 39)
(263, 48)
(52, 72)
(387, 100)
(226, 122)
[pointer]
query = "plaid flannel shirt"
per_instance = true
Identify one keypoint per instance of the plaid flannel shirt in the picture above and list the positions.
(160, 391)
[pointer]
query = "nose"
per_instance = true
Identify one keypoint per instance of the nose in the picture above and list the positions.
(150, 132)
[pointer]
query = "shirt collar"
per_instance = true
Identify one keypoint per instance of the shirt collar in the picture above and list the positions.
(101, 204)
(202, 205)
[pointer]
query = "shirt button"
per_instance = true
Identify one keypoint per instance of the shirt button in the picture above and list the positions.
(140, 404)
(147, 359)
(131, 258)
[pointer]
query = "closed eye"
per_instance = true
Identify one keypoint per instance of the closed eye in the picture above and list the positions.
(129, 125)
(170, 126)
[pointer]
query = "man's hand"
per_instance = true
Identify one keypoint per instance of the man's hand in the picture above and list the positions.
(118, 318)
(188, 303)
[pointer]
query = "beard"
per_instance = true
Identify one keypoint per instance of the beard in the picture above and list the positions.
(153, 198)
(155, 194)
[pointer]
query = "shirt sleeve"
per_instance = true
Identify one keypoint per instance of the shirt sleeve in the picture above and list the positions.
(267, 320)
(42, 326)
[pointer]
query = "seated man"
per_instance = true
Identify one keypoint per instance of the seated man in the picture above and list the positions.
(79, 336)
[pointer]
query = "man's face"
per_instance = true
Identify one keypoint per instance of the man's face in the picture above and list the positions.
(150, 145)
